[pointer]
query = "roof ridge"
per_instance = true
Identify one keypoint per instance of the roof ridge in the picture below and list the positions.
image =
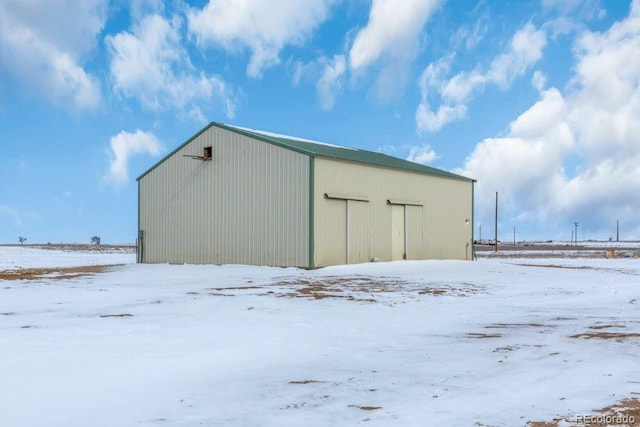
(349, 154)
(317, 148)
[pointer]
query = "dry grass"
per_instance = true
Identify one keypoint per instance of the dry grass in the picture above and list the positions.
(54, 273)
(117, 315)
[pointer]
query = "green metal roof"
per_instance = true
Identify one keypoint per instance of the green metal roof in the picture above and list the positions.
(312, 148)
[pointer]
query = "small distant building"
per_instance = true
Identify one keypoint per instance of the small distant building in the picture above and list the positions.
(231, 195)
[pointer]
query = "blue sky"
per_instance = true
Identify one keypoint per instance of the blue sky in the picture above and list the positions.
(538, 100)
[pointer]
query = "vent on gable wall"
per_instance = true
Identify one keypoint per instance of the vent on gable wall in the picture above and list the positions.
(206, 155)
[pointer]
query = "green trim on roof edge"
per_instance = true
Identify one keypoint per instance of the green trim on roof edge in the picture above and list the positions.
(312, 149)
(174, 151)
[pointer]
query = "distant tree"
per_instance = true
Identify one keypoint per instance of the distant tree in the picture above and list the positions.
(22, 239)
(95, 240)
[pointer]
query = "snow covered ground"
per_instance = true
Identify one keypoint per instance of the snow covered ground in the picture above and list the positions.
(15, 257)
(497, 342)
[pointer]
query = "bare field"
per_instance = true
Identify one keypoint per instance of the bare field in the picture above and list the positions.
(546, 250)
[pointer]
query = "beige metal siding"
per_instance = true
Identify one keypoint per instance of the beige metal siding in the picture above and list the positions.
(434, 217)
(248, 205)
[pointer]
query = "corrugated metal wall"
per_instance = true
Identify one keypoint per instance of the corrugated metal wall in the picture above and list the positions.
(436, 227)
(248, 205)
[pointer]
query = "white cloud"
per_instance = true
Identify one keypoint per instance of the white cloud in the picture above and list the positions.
(574, 156)
(528, 162)
(44, 43)
(330, 83)
(122, 147)
(423, 154)
(390, 39)
(539, 80)
(525, 49)
(138, 9)
(470, 37)
(392, 30)
(263, 27)
(433, 121)
(583, 9)
(150, 64)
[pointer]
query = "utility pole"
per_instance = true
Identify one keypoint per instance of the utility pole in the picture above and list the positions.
(617, 231)
(514, 236)
(575, 224)
(480, 233)
(496, 222)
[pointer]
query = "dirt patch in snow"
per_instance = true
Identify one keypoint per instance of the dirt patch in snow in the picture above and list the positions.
(366, 288)
(365, 408)
(518, 325)
(570, 267)
(626, 413)
(231, 288)
(54, 273)
(358, 288)
(607, 326)
(617, 336)
(481, 335)
(350, 287)
(458, 289)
